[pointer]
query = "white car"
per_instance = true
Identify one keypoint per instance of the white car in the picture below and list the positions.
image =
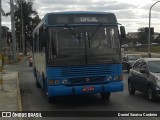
(124, 45)
(138, 44)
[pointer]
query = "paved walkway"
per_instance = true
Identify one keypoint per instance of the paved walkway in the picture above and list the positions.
(10, 99)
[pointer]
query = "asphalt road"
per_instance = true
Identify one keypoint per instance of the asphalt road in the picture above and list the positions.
(34, 99)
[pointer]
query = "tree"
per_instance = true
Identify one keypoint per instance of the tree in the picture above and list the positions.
(30, 21)
(143, 36)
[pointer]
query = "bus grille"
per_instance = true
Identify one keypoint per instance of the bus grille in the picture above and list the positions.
(85, 71)
(90, 79)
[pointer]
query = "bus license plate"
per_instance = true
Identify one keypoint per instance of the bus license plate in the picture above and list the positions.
(87, 89)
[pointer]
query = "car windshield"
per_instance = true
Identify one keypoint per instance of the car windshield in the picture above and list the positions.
(154, 66)
(133, 57)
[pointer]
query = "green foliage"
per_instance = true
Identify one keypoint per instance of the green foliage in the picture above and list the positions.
(154, 49)
(143, 37)
(30, 20)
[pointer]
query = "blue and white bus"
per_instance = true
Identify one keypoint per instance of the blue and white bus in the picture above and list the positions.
(78, 53)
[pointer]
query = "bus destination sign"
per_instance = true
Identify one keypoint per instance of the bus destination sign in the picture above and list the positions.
(88, 19)
(80, 19)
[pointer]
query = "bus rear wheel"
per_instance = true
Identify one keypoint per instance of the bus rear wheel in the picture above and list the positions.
(37, 83)
(105, 96)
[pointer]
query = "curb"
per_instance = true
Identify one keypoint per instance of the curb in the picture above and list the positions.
(19, 96)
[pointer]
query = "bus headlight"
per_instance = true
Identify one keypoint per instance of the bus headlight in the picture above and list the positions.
(121, 77)
(56, 82)
(64, 81)
(109, 78)
(116, 77)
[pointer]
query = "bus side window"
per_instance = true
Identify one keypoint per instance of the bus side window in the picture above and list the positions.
(41, 38)
(35, 42)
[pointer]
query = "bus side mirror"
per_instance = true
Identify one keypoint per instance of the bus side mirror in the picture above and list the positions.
(123, 32)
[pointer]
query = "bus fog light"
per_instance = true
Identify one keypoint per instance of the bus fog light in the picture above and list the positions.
(64, 81)
(51, 82)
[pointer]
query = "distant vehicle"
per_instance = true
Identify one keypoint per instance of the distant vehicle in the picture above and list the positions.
(145, 77)
(128, 60)
(138, 44)
(20, 53)
(78, 53)
(30, 61)
(124, 45)
(154, 43)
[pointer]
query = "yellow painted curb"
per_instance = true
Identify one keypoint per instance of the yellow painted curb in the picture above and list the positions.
(1, 81)
(19, 96)
(1, 68)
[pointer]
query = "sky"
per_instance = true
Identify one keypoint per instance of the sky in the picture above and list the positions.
(132, 14)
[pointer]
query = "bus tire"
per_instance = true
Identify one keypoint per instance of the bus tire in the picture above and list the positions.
(37, 84)
(51, 100)
(44, 83)
(105, 96)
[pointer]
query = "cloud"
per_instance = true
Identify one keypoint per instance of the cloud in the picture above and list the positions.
(133, 14)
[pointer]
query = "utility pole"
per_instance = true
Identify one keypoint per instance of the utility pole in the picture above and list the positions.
(13, 32)
(1, 79)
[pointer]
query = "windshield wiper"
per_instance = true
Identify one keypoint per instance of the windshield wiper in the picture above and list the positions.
(94, 32)
(73, 32)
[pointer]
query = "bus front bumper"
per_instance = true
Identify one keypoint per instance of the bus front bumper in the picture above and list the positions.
(62, 90)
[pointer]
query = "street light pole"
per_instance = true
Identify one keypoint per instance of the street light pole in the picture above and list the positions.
(13, 32)
(149, 34)
(1, 79)
(23, 35)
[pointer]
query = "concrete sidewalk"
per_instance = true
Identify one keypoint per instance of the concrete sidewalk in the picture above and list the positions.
(10, 99)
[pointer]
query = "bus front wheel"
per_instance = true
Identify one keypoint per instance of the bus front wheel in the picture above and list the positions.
(105, 95)
(37, 84)
(51, 99)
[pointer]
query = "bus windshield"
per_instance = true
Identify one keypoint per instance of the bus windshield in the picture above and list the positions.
(83, 45)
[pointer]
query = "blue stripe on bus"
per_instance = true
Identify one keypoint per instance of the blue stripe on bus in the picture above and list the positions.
(62, 90)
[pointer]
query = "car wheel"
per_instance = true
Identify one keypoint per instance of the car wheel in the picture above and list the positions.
(150, 94)
(131, 89)
(105, 95)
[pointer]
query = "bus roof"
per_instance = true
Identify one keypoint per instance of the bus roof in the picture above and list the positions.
(80, 12)
(45, 18)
